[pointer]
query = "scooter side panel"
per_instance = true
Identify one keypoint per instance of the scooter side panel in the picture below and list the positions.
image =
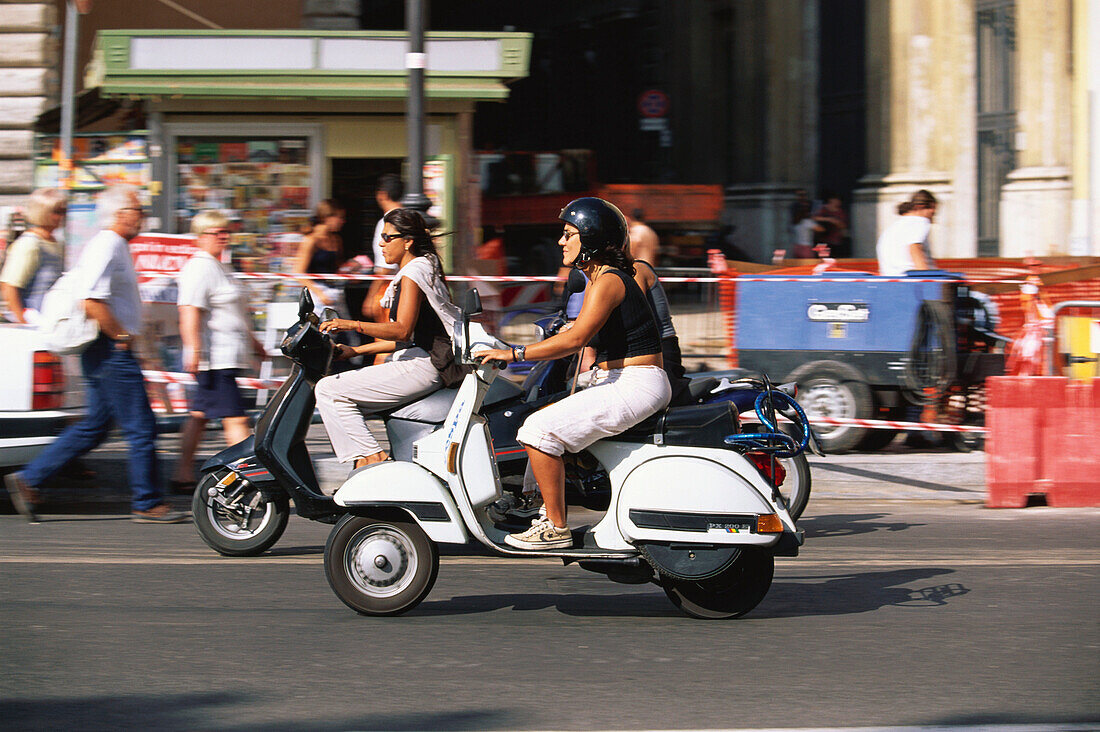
(690, 499)
(668, 481)
(411, 488)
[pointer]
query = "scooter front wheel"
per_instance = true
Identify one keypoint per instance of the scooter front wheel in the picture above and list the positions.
(248, 525)
(380, 566)
(737, 590)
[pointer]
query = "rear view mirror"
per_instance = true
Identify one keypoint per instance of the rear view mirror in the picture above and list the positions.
(305, 304)
(471, 306)
(574, 283)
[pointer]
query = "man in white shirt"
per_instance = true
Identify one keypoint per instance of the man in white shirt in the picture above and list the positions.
(903, 246)
(114, 385)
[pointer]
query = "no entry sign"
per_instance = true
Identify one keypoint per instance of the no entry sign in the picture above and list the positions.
(653, 103)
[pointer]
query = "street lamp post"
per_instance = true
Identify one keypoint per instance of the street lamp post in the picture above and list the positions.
(415, 62)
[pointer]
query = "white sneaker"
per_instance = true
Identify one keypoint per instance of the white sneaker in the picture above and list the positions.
(541, 535)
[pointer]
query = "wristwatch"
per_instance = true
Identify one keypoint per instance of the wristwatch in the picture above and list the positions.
(520, 353)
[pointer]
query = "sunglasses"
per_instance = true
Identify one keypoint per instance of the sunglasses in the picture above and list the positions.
(217, 232)
(390, 237)
(567, 235)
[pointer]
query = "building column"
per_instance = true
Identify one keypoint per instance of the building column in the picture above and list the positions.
(1036, 201)
(28, 85)
(921, 126)
(1085, 215)
(779, 117)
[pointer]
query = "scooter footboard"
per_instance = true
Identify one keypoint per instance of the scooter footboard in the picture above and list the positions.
(695, 500)
(410, 488)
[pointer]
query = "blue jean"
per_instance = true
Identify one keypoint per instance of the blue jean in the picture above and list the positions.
(115, 392)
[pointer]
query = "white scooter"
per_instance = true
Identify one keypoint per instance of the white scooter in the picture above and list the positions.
(687, 511)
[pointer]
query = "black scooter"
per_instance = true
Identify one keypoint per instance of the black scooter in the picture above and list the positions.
(241, 504)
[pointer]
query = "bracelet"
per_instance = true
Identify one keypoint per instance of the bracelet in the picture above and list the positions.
(359, 327)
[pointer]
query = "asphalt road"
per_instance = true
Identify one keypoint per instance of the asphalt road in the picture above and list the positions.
(897, 613)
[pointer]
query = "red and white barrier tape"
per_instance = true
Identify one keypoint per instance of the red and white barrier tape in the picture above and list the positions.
(883, 424)
(169, 377)
(147, 275)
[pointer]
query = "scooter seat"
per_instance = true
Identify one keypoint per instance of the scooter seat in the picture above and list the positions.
(700, 387)
(431, 409)
(698, 425)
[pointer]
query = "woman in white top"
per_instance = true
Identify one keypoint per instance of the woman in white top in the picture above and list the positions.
(417, 335)
(903, 246)
(34, 260)
(216, 330)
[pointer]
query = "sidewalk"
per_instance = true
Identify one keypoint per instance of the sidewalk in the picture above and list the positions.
(897, 473)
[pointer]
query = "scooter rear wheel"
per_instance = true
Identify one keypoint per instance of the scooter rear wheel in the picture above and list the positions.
(731, 594)
(380, 566)
(243, 529)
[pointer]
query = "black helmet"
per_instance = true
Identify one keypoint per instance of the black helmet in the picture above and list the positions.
(601, 225)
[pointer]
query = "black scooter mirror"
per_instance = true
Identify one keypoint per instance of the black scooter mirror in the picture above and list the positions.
(305, 304)
(328, 314)
(471, 306)
(576, 282)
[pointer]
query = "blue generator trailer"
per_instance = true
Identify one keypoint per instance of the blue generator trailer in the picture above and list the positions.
(868, 347)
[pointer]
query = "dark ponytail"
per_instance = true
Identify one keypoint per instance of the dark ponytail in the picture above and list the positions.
(411, 225)
(920, 199)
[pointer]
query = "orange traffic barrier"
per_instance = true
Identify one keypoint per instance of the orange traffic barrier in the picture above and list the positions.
(1041, 440)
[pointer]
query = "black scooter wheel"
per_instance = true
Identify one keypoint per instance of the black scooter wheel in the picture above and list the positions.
(244, 528)
(737, 590)
(380, 566)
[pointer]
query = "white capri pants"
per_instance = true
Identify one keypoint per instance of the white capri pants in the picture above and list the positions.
(346, 400)
(617, 400)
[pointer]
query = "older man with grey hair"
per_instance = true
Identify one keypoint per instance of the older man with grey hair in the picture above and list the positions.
(114, 384)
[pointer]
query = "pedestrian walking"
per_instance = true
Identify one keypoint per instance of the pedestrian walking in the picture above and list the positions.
(216, 330)
(903, 246)
(34, 260)
(114, 386)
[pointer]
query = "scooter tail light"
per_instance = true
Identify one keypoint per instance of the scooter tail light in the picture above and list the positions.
(769, 523)
(48, 385)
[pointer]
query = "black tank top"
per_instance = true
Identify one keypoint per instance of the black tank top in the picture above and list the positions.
(428, 325)
(631, 328)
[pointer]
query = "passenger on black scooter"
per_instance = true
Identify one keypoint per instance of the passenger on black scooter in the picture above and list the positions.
(629, 383)
(422, 318)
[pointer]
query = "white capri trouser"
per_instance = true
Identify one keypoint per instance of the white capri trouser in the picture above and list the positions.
(617, 400)
(346, 400)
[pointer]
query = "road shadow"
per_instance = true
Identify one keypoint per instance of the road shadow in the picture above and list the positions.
(652, 604)
(838, 594)
(210, 711)
(854, 593)
(849, 524)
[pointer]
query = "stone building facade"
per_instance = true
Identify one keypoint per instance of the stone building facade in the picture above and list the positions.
(29, 83)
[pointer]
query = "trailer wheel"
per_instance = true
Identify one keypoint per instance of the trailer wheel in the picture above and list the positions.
(825, 392)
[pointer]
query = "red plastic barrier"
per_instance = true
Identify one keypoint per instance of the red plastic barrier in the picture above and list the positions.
(1042, 438)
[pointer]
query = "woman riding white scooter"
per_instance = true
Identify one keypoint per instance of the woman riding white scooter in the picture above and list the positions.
(628, 384)
(421, 318)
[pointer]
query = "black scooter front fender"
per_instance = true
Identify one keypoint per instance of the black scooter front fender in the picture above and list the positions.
(246, 448)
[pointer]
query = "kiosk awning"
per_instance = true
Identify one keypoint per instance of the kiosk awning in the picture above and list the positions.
(297, 64)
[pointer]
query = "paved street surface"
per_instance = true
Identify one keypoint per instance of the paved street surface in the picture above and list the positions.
(897, 613)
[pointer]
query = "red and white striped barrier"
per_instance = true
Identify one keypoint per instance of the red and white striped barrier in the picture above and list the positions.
(147, 275)
(883, 424)
(170, 377)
